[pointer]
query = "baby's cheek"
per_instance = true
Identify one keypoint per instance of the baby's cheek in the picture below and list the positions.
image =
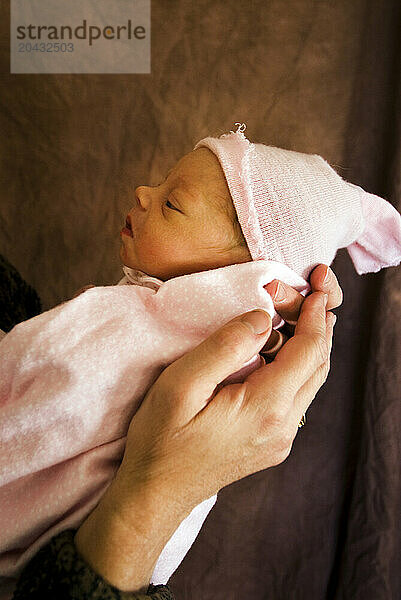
(152, 248)
(217, 233)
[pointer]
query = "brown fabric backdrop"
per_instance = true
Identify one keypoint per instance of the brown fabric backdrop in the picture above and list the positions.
(314, 76)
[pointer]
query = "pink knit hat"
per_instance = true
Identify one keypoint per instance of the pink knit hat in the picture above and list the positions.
(295, 209)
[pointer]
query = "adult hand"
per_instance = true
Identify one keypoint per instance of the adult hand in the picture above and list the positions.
(287, 302)
(186, 441)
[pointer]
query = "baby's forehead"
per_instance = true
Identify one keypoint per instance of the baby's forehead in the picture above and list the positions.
(201, 167)
(202, 171)
(208, 162)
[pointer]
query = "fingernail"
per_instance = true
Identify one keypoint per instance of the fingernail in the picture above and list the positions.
(325, 298)
(277, 345)
(258, 321)
(279, 293)
(327, 276)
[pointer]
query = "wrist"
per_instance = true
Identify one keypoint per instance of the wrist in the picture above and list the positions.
(122, 540)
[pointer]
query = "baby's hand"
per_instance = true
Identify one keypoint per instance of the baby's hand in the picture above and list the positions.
(287, 302)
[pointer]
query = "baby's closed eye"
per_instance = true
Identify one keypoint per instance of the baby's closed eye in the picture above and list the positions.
(171, 206)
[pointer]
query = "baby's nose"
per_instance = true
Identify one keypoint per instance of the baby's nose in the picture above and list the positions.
(142, 197)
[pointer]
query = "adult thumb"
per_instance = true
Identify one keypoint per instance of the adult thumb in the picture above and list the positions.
(197, 373)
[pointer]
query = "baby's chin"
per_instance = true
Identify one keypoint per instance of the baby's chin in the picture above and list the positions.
(132, 263)
(126, 260)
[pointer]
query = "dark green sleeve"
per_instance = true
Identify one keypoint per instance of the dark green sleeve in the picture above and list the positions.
(58, 571)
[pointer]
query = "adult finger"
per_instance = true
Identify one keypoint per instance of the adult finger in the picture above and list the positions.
(300, 357)
(323, 279)
(198, 372)
(287, 301)
(276, 340)
(308, 391)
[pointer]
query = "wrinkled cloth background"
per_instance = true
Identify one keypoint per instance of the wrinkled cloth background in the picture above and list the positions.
(313, 76)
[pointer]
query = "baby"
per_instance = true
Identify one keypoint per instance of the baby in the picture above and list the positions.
(229, 202)
(186, 224)
(197, 250)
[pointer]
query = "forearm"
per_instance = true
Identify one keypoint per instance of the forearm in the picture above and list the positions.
(122, 544)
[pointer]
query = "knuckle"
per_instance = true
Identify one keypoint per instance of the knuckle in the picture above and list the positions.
(233, 337)
(169, 384)
(282, 449)
(280, 457)
(276, 418)
(323, 373)
(275, 434)
(274, 426)
(320, 347)
(286, 439)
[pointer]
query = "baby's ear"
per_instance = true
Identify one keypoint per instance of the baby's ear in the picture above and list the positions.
(241, 253)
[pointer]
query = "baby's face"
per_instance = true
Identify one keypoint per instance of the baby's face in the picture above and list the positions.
(184, 224)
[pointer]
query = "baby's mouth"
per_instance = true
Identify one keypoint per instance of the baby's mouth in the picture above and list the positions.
(128, 227)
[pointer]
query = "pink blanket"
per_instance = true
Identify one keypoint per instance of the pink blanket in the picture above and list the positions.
(72, 378)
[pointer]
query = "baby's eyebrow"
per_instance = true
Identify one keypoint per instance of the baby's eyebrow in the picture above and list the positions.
(188, 188)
